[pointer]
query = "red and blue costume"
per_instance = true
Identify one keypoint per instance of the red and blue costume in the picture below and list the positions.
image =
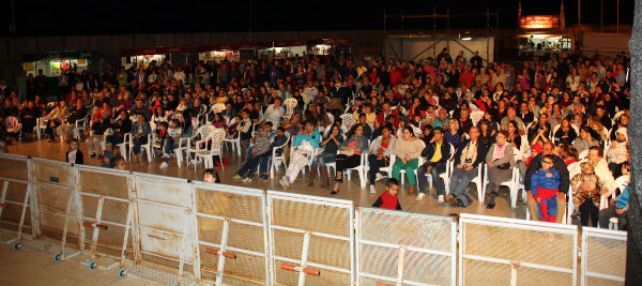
(545, 187)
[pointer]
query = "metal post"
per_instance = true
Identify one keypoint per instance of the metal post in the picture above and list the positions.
(601, 16)
(617, 13)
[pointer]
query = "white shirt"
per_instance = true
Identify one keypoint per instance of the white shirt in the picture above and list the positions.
(71, 157)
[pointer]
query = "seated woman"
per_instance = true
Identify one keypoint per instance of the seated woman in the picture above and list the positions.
(380, 150)
(545, 185)
(330, 145)
(350, 155)
(500, 160)
(407, 151)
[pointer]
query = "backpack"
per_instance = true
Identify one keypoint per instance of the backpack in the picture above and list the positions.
(464, 200)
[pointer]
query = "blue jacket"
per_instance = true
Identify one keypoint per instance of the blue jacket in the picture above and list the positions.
(314, 139)
(623, 200)
(540, 180)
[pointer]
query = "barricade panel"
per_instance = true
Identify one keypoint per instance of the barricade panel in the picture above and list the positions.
(419, 247)
(509, 251)
(106, 216)
(310, 239)
(232, 234)
(56, 208)
(164, 207)
(14, 167)
(603, 256)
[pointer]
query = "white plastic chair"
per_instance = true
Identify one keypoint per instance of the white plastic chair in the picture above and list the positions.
(480, 182)
(147, 147)
(278, 160)
(124, 147)
(185, 144)
(476, 116)
(211, 146)
(449, 169)
(235, 142)
(515, 183)
(361, 170)
(290, 104)
(347, 121)
(41, 124)
(81, 125)
(620, 183)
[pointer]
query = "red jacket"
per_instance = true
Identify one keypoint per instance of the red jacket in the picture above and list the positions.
(387, 201)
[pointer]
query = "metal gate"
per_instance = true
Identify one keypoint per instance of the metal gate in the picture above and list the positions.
(15, 198)
(106, 214)
(232, 234)
(54, 207)
(603, 256)
(164, 210)
(400, 248)
(311, 239)
(502, 251)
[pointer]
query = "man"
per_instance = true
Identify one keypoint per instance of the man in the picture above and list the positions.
(304, 145)
(467, 160)
(274, 112)
(511, 115)
(387, 112)
(437, 152)
(560, 167)
(617, 210)
(139, 108)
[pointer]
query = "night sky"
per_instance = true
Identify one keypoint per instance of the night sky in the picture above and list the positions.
(87, 17)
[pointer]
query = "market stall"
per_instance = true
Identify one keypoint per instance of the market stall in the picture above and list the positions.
(54, 63)
(144, 56)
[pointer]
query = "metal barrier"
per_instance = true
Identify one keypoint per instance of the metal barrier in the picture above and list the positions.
(400, 248)
(164, 227)
(105, 213)
(232, 234)
(54, 207)
(502, 251)
(603, 256)
(15, 198)
(238, 236)
(311, 239)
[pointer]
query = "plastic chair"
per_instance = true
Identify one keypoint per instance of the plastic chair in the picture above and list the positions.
(278, 160)
(620, 183)
(212, 147)
(290, 104)
(480, 181)
(124, 147)
(235, 142)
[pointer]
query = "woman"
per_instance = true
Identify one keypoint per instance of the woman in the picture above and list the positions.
(486, 133)
(500, 161)
(380, 150)
(330, 145)
(350, 155)
(585, 141)
(407, 152)
(28, 116)
(513, 135)
(566, 133)
(453, 136)
(541, 130)
(158, 117)
(293, 126)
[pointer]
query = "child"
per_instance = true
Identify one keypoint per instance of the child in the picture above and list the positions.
(585, 186)
(74, 155)
(173, 133)
(211, 176)
(118, 163)
(260, 151)
(389, 199)
(545, 184)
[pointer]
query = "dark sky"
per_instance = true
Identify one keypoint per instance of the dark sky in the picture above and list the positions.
(73, 17)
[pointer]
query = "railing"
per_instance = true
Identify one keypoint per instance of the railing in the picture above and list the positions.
(227, 235)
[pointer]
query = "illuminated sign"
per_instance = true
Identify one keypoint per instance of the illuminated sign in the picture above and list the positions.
(539, 22)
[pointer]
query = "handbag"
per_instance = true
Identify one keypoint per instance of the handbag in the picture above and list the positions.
(347, 152)
(504, 166)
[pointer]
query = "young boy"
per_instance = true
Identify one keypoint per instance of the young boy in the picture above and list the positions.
(545, 184)
(74, 155)
(172, 138)
(389, 199)
(211, 176)
(260, 151)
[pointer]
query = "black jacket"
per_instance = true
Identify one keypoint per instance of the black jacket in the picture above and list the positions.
(429, 151)
(482, 149)
(559, 166)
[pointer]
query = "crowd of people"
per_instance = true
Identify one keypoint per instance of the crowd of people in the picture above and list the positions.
(437, 123)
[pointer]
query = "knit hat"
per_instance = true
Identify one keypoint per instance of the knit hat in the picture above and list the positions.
(623, 131)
